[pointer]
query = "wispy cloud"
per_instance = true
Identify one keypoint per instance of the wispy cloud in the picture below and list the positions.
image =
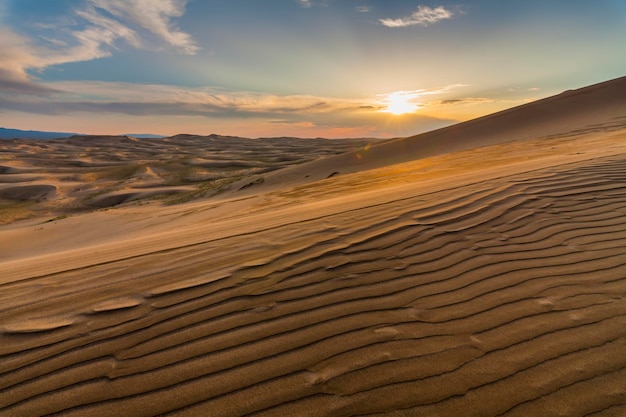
(423, 16)
(95, 30)
(363, 9)
(291, 123)
(311, 3)
(465, 100)
(145, 24)
(110, 97)
(153, 16)
(13, 83)
(16, 55)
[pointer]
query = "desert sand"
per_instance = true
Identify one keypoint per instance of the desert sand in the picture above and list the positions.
(477, 270)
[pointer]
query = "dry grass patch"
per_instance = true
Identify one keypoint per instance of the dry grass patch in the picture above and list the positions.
(13, 211)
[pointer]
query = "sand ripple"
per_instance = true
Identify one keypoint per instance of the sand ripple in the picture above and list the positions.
(504, 296)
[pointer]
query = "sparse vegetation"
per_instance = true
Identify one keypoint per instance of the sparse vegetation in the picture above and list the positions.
(204, 190)
(116, 173)
(13, 211)
(54, 219)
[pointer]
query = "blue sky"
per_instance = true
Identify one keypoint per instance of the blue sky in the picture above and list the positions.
(331, 68)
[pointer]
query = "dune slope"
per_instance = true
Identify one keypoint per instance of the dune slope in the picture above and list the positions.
(488, 281)
(596, 108)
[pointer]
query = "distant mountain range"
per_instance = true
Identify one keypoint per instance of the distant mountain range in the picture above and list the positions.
(36, 134)
(31, 134)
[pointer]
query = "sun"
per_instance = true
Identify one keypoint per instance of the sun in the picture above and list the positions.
(401, 102)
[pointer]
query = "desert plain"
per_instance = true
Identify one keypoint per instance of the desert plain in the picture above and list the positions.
(476, 270)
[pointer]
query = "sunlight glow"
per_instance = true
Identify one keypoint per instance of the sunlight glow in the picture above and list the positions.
(401, 102)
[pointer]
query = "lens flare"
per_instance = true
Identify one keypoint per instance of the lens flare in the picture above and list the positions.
(401, 102)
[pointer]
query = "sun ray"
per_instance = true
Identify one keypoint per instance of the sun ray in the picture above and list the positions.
(401, 102)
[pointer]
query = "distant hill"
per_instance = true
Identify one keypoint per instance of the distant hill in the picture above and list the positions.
(31, 134)
(144, 135)
(36, 134)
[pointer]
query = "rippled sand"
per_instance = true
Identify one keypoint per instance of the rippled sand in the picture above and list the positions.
(484, 277)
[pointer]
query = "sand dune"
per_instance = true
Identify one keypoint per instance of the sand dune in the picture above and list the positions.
(487, 281)
(85, 172)
(597, 108)
(28, 192)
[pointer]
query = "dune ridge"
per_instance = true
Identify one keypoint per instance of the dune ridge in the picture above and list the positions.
(597, 108)
(487, 281)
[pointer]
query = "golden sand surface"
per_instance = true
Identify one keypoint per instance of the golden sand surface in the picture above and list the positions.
(486, 277)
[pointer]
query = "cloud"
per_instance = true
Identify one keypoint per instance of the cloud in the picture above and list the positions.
(54, 42)
(16, 55)
(152, 16)
(142, 99)
(94, 31)
(11, 82)
(363, 9)
(292, 123)
(167, 104)
(302, 113)
(467, 100)
(423, 16)
(311, 3)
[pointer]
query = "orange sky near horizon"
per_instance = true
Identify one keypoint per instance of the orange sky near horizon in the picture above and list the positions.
(314, 68)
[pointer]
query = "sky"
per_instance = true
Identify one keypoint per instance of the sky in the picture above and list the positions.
(306, 68)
